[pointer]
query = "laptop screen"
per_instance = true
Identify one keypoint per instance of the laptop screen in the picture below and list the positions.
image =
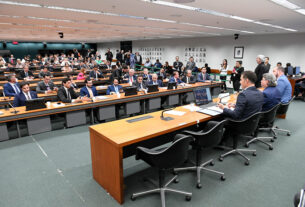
(202, 96)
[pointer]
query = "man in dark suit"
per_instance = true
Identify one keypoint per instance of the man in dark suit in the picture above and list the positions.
(189, 78)
(109, 55)
(96, 73)
(12, 87)
(46, 86)
(249, 101)
(114, 88)
(190, 65)
(175, 78)
(267, 65)
(146, 76)
(155, 81)
(177, 64)
(140, 84)
(259, 70)
(138, 60)
(66, 93)
(162, 73)
(88, 90)
(24, 95)
(203, 76)
(44, 72)
(26, 73)
(116, 74)
(272, 95)
(130, 77)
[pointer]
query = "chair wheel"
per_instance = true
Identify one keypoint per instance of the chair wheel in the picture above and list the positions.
(247, 145)
(222, 178)
(132, 198)
(199, 185)
(254, 154)
(188, 198)
(271, 140)
(288, 134)
(270, 148)
(247, 163)
(212, 163)
(220, 158)
(176, 180)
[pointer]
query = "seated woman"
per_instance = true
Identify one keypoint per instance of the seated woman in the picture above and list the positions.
(272, 95)
(66, 68)
(82, 74)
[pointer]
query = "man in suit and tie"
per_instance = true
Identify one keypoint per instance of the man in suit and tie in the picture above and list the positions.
(138, 60)
(12, 87)
(162, 73)
(175, 78)
(46, 86)
(26, 73)
(114, 88)
(190, 65)
(140, 84)
(24, 95)
(130, 77)
(203, 76)
(155, 81)
(66, 93)
(116, 74)
(96, 73)
(88, 90)
(189, 78)
(146, 76)
(177, 64)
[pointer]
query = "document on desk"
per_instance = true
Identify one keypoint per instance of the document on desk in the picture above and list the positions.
(174, 112)
(212, 111)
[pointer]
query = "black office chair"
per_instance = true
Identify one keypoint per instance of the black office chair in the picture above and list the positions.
(239, 129)
(165, 159)
(209, 137)
(266, 121)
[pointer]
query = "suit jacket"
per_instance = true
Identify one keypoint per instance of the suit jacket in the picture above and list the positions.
(249, 102)
(190, 66)
(62, 95)
(259, 71)
(162, 74)
(92, 74)
(117, 73)
(236, 77)
(177, 65)
(84, 91)
(138, 59)
(22, 74)
(127, 77)
(41, 86)
(172, 80)
(8, 89)
(272, 97)
(192, 79)
(111, 89)
(42, 74)
(200, 77)
(147, 77)
(20, 98)
(159, 83)
(144, 86)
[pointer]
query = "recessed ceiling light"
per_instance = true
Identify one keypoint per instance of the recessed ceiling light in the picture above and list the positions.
(286, 4)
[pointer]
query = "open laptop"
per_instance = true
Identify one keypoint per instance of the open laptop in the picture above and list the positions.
(152, 88)
(172, 85)
(129, 91)
(34, 104)
(205, 103)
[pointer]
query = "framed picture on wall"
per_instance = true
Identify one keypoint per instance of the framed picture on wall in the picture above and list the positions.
(238, 52)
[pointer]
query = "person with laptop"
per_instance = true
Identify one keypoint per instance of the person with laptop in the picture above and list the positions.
(283, 84)
(66, 93)
(155, 81)
(46, 85)
(175, 78)
(114, 88)
(11, 88)
(24, 95)
(140, 84)
(203, 76)
(88, 90)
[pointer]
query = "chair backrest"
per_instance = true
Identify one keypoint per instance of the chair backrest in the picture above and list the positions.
(212, 135)
(246, 126)
(167, 158)
(269, 116)
(283, 108)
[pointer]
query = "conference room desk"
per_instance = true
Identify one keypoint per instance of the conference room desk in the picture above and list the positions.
(294, 80)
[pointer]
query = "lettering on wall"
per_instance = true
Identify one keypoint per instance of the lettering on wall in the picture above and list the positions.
(198, 53)
(153, 53)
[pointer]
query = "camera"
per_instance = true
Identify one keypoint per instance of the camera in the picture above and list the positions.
(61, 34)
(236, 36)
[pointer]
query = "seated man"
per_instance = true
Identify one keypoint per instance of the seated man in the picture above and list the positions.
(203, 76)
(44, 72)
(114, 88)
(130, 77)
(46, 86)
(96, 73)
(12, 87)
(66, 93)
(272, 96)
(175, 78)
(140, 84)
(26, 73)
(155, 81)
(189, 78)
(24, 95)
(146, 76)
(298, 86)
(162, 73)
(88, 90)
(283, 84)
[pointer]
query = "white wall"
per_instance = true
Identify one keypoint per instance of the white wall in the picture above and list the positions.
(283, 47)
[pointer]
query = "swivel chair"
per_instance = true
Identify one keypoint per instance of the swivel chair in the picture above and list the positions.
(165, 159)
(209, 137)
(237, 130)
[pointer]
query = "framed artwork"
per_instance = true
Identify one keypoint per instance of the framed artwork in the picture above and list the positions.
(238, 52)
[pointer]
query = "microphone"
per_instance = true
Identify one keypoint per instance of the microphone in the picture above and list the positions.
(166, 118)
(15, 111)
(220, 99)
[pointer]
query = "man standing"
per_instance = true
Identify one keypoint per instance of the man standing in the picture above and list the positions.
(267, 65)
(177, 65)
(12, 87)
(283, 84)
(138, 60)
(109, 55)
(24, 95)
(46, 86)
(190, 65)
(259, 70)
(236, 74)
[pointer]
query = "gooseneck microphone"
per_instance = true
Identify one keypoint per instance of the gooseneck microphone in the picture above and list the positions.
(15, 111)
(166, 118)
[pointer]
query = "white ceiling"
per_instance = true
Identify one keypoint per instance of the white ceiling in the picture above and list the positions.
(29, 23)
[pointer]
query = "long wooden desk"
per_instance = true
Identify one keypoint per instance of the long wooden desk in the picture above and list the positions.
(294, 80)
(109, 140)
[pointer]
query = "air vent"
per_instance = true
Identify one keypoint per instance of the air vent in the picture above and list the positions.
(183, 1)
